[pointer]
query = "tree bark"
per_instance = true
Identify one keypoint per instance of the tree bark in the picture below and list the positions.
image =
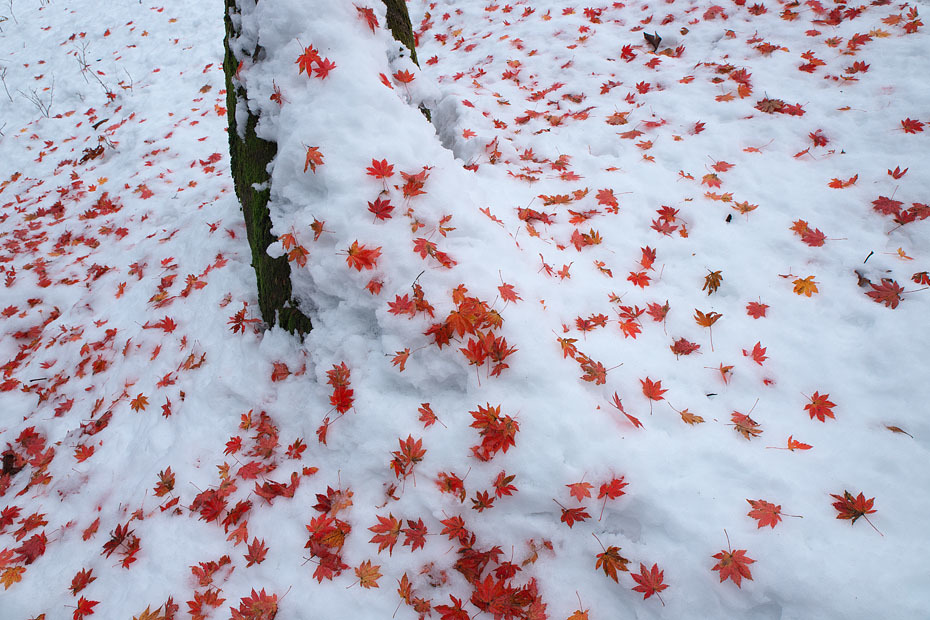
(398, 21)
(250, 157)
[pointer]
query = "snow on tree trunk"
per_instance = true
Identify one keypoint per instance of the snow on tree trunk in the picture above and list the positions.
(250, 156)
(250, 159)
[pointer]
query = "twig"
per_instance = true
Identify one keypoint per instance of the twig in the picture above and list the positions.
(3, 79)
(34, 98)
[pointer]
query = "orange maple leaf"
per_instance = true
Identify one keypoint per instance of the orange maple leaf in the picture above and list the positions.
(400, 359)
(745, 426)
(361, 257)
(372, 20)
(764, 512)
(139, 403)
(580, 490)
(805, 286)
(611, 561)
(280, 372)
(820, 406)
(840, 184)
(367, 574)
(306, 60)
(405, 77)
(386, 532)
(314, 158)
(757, 353)
(12, 575)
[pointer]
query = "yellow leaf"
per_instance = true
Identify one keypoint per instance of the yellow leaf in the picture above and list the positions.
(579, 615)
(12, 575)
(805, 286)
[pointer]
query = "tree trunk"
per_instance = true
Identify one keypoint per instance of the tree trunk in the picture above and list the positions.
(398, 21)
(250, 156)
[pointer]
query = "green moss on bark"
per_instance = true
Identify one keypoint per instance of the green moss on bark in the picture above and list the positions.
(250, 156)
(398, 21)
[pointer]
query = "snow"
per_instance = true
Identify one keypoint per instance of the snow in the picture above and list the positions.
(120, 331)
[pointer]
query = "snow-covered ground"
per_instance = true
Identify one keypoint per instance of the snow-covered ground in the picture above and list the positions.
(631, 329)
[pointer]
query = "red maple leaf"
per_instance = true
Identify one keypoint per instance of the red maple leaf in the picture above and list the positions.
(415, 534)
(31, 549)
(572, 515)
(820, 407)
(649, 582)
(852, 508)
(652, 391)
(910, 125)
(381, 209)
(361, 257)
(386, 533)
(84, 608)
(757, 354)
(257, 552)
(733, 565)
(323, 67)
(756, 310)
(455, 529)
(508, 294)
(369, 16)
(503, 486)
(580, 490)
(404, 76)
(683, 347)
(380, 169)
(80, 580)
(306, 60)
(426, 412)
(657, 312)
(841, 184)
(257, 606)
(606, 197)
(452, 612)
(402, 305)
(314, 158)
(888, 293)
(887, 206)
(639, 278)
(610, 490)
(497, 431)
(764, 512)
(280, 372)
(897, 173)
(411, 452)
